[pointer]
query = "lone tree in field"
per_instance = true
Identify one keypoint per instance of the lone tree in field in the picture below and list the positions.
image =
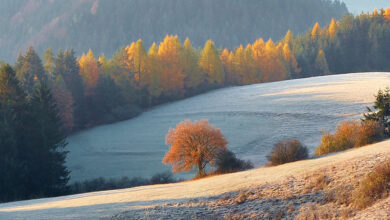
(193, 145)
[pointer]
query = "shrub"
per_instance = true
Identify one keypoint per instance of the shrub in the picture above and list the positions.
(161, 178)
(373, 187)
(286, 151)
(350, 134)
(101, 183)
(227, 162)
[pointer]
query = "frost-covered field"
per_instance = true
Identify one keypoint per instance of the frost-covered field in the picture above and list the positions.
(108, 203)
(252, 118)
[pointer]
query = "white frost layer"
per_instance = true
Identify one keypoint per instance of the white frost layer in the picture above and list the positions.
(253, 118)
(106, 203)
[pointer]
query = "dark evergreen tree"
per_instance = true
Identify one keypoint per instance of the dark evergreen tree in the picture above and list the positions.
(381, 110)
(12, 116)
(67, 66)
(47, 174)
(29, 70)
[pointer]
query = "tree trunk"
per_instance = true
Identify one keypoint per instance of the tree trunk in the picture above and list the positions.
(200, 168)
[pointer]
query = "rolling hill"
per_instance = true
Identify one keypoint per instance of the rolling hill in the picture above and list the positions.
(253, 118)
(269, 190)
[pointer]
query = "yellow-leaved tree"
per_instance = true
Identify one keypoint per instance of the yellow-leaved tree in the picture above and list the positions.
(190, 65)
(227, 63)
(172, 76)
(332, 29)
(153, 72)
(210, 64)
(89, 71)
(316, 31)
(137, 62)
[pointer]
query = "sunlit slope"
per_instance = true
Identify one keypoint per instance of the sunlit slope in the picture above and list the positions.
(252, 118)
(107, 203)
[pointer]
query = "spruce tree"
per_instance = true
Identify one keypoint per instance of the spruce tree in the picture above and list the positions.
(47, 174)
(29, 70)
(67, 66)
(12, 117)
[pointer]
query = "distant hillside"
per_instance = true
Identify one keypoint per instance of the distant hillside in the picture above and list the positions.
(105, 26)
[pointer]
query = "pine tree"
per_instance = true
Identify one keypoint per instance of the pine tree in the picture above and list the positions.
(48, 59)
(47, 173)
(12, 135)
(29, 70)
(67, 66)
(321, 64)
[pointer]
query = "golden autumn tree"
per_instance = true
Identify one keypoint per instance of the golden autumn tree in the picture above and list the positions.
(172, 76)
(190, 65)
(316, 31)
(210, 64)
(153, 72)
(272, 65)
(89, 71)
(137, 62)
(193, 145)
(251, 75)
(239, 64)
(227, 63)
(244, 65)
(386, 14)
(288, 39)
(291, 63)
(258, 53)
(332, 29)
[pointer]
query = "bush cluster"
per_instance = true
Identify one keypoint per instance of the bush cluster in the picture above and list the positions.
(100, 184)
(286, 151)
(350, 134)
(373, 187)
(227, 162)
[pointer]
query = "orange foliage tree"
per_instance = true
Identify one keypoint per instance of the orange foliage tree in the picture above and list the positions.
(193, 145)
(172, 76)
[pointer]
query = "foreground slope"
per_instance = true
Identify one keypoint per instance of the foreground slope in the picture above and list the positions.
(253, 118)
(275, 183)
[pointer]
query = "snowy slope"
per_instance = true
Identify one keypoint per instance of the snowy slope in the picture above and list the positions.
(252, 118)
(107, 203)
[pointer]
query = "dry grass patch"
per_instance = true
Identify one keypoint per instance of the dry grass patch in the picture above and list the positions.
(350, 134)
(374, 186)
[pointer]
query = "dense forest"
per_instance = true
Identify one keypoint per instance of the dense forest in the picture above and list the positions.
(104, 26)
(41, 100)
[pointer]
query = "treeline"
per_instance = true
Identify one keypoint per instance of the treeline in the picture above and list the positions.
(104, 26)
(92, 90)
(354, 44)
